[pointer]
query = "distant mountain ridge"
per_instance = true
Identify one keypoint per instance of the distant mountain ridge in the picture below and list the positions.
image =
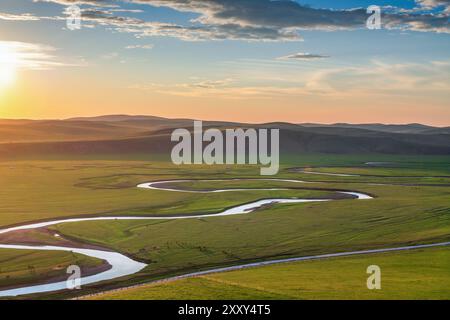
(116, 117)
(122, 134)
(398, 128)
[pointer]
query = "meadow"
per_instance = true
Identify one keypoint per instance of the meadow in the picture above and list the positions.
(417, 274)
(413, 208)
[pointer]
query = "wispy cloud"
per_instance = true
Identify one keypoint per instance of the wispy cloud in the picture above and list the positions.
(141, 28)
(433, 3)
(303, 56)
(102, 3)
(211, 84)
(140, 46)
(31, 56)
(377, 78)
(110, 55)
(127, 10)
(18, 17)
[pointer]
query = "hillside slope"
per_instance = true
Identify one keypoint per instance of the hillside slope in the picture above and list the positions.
(121, 134)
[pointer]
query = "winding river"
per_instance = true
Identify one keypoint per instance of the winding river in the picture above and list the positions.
(122, 266)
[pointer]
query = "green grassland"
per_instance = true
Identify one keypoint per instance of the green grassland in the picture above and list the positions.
(399, 215)
(39, 190)
(417, 274)
(22, 267)
(48, 190)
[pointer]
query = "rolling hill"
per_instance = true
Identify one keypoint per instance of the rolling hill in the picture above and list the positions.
(122, 134)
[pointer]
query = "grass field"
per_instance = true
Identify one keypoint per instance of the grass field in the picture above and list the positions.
(399, 216)
(413, 213)
(48, 189)
(45, 190)
(420, 274)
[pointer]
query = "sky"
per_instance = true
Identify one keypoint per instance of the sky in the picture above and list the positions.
(238, 60)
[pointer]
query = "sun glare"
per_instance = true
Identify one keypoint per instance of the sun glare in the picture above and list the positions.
(8, 65)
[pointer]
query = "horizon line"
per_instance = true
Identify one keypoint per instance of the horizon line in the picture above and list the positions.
(215, 120)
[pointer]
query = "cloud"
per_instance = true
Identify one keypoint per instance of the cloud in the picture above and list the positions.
(382, 78)
(127, 10)
(210, 90)
(303, 56)
(18, 17)
(290, 14)
(140, 46)
(373, 80)
(433, 3)
(206, 86)
(256, 20)
(110, 55)
(211, 84)
(31, 56)
(142, 28)
(282, 14)
(101, 3)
